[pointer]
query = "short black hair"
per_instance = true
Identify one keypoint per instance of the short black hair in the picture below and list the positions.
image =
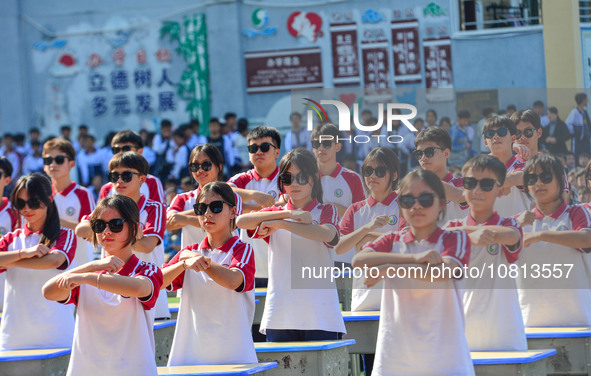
(436, 135)
(65, 128)
(242, 125)
(214, 120)
(511, 107)
(488, 110)
(527, 116)
(83, 126)
(463, 114)
(6, 166)
(486, 162)
(130, 159)
(538, 103)
(326, 129)
(165, 123)
(264, 131)
(580, 97)
(128, 136)
(34, 130)
(499, 122)
(229, 115)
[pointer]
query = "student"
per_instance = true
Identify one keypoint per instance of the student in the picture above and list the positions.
(301, 235)
(412, 307)
(178, 155)
(9, 221)
(491, 303)
(499, 133)
(33, 162)
(462, 135)
(72, 200)
(366, 220)
(206, 165)
(258, 188)
(433, 147)
(115, 296)
(218, 270)
(528, 132)
(130, 141)
(31, 256)
(341, 187)
(554, 233)
(128, 172)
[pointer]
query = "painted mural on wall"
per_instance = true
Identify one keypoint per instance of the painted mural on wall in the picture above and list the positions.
(127, 78)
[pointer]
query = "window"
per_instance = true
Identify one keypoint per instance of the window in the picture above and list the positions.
(495, 14)
(585, 11)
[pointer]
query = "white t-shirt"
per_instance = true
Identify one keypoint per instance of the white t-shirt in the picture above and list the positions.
(421, 330)
(359, 214)
(29, 320)
(556, 301)
(251, 180)
(221, 328)
(295, 301)
(516, 202)
(491, 305)
(115, 334)
(73, 203)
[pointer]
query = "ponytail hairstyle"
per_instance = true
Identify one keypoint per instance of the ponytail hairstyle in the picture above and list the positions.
(224, 190)
(128, 210)
(306, 162)
(39, 186)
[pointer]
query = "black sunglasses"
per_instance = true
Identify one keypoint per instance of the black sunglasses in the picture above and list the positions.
(288, 179)
(126, 176)
(205, 166)
(425, 200)
(325, 144)
(486, 184)
(115, 225)
(60, 159)
(531, 179)
(32, 203)
(428, 152)
(216, 207)
(527, 132)
(380, 171)
(265, 147)
(116, 150)
(490, 133)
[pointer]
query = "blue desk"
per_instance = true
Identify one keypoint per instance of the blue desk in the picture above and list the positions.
(362, 326)
(44, 362)
(573, 346)
(511, 363)
(230, 369)
(313, 358)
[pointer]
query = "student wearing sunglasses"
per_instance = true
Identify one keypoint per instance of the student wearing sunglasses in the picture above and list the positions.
(491, 303)
(38, 251)
(131, 141)
(258, 188)
(402, 348)
(218, 270)
(206, 165)
(301, 235)
(433, 148)
(114, 297)
(554, 233)
(499, 135)
(128, 172)
(72, 200)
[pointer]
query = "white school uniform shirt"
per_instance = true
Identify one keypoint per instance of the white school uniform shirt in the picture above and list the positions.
(491, 305)
(153, 223)
(359, 214)
(562, 301)
(32, 164)
(29, 320)
(516, 202)
(73, 203)
(115, 334)
(299, 302)
(218, 332)
(185, 201)
(9, 221)
(253, 181)
(343, 187)
(152, 189)
(421, 330)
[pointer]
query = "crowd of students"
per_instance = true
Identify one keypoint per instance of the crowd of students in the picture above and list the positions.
(511, 208)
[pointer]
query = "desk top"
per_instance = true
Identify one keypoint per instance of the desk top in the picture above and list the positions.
(161, 324)
(260, 292)
(226, 369)
(558, 332)
(34, 354)
(301, 346)
(361, 316)
(510, 357)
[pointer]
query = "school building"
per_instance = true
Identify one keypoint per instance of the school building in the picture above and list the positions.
(129, 64)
